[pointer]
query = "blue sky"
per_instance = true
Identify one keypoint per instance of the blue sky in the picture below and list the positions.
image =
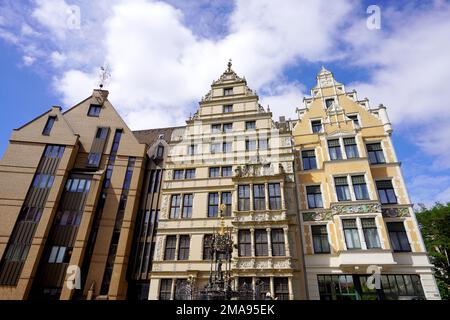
(164, 55)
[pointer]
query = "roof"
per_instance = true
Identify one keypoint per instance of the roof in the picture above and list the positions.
(150, 136)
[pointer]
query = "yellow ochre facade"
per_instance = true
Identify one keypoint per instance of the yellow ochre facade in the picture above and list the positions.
(316, 207)
(357, 218)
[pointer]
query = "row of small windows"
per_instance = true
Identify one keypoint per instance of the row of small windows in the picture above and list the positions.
(385, 190)
(316, 125)
(227, 147)
(69, 218)
(181, 205)
(78, 185)
(228, 127)
(60, 254)
(374, 151)
(259, 197)
(261, 243)
(352, 228)
(42, 181)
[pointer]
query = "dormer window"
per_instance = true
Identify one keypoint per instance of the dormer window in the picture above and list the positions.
(160, 152)
(228, 91)
(94, 110)
(329, 103)
(49, 125)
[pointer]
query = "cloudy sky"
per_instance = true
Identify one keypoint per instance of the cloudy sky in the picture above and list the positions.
(163, 56)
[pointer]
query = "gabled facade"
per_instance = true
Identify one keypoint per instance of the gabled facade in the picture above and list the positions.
(354, 206)
(70, 184)
(230, 153)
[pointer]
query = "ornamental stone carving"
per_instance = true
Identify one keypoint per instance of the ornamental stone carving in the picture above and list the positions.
(159, 250)
(282, 264)
(317, 216)
(395, 212)
(165, 206)
(356, 208)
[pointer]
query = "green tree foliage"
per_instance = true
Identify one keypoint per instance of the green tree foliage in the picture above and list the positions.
(435, 226)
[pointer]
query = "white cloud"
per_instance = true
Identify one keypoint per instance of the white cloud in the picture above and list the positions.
(159, 64)
(428, 189)
(28, 60)
(409, 69)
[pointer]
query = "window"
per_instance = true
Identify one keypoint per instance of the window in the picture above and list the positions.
(101, 133)
(360, 188)
(116, 141)
(250, 125)
(281, 288)
(244, 198)
(31, 214)
(342, 190)
(250, 145)
(178, 174)
(354, 118)
(175, 206)
(49, 125)
(351, 234)
(244, 243)
(261, 248)
(226, 199)
(171, 244)
(329, 103)
(42, 181)
(398, 236)
(375, 153)
(190, 174)
(336, 287)
(192, 149)
(320, 239)
(228, 108)
(68, 218)
(351, 149)
(370, 233)
(309, 160)
(227, 147)
(94, 159)
(334, 148)
(396, 286)
(213, 204)
(94, 110)
(207, 250)
(183, 248)
(274, 196)
(259, 197)
(227, 91)
(263, 144)
(187, 205)
(216, 128)
(215, 147)
(316, 126)
(160, 152)
(386, 192)
(129, 173)
(214, 172)
(314, 197)
(59, 255)
(52, 151)
(262, 287)
(165, 289)
(227, 127)
(278, 246)
(226, 171)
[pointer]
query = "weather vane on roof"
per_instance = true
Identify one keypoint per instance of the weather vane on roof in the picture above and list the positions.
(104, 75)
